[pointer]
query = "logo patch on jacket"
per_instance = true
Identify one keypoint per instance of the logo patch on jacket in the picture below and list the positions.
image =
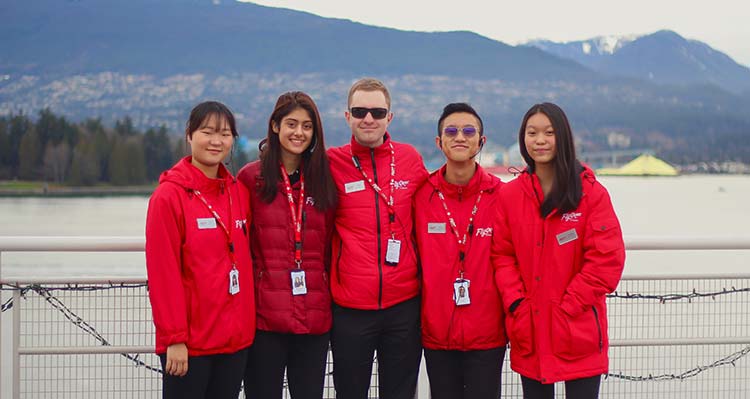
(484, 232)
(400, 184)
(310, 201)
(570, 216)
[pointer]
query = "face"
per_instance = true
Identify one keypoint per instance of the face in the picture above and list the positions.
(539, 139)
(459, 148)
(368, 131)
(295, 132)
(211, 143)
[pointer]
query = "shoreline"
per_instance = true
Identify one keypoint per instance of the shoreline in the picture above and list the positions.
(34, 189)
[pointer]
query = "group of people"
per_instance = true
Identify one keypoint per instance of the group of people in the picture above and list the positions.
(251, 278)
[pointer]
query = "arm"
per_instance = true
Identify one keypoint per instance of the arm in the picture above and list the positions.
(504, 262)
(603, 256)
(164, 266)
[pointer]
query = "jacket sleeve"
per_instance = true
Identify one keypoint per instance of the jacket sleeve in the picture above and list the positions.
(504, 262)
(164, 235)
(603, 256)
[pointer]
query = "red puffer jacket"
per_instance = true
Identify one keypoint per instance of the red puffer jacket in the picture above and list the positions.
(360, 279)
(563, 265)
(188, 262)
(446, 326)
(272, 248)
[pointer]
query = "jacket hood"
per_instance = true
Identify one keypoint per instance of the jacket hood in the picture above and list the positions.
(532, 187)
(189, 177)
(480, 181)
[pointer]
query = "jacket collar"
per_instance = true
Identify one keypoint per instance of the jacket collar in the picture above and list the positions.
(480, 181)
(185, 174)
(359, 149)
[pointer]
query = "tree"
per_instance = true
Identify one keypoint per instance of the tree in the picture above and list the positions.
(84, 170)
(56, 161)
(158, 152)
(28, 152)
(127, 162)
(125, 127)
(4, 149)
(19, 124)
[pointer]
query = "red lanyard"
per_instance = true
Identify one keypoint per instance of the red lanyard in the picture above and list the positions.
(296, 217)
(454, 228)
(389, 199)
(227, 233)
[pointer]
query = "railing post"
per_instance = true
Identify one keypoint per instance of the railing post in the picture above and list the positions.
(16, 338)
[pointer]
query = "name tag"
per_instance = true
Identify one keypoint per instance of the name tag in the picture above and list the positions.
(354, 186)
(206, 223)
(567, 236)
(436, 228)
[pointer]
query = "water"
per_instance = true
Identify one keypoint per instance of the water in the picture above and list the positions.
(707, 205)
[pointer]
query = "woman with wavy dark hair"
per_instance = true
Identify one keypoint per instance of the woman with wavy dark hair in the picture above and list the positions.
(557, 251)
(293, 198)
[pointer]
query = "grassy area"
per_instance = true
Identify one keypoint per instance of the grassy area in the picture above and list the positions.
(15, 188)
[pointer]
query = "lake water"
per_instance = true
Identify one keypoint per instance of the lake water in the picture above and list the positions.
(703, 205)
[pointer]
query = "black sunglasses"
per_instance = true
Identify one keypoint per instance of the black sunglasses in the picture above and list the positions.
(452, 131)
(361, 112)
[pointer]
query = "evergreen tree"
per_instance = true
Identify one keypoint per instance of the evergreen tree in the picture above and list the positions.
(56, 161)
(17, 127)
(4, 149)
(157, 149)
(125, 127)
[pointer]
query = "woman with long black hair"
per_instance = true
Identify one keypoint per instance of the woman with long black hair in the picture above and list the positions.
(293, 199)
(557, 251)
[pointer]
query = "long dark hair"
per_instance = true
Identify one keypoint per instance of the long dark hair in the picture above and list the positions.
(318, 180)
(566, 189)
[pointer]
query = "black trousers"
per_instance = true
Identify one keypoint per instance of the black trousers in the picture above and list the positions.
(582, 388)
(468, 375)
(303, 356)
(208, 377)
(394, 333)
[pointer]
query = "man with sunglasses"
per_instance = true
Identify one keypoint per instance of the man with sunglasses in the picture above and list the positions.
(374, 273)
(462, 313)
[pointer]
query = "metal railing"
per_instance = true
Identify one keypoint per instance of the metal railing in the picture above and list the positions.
(670, 335)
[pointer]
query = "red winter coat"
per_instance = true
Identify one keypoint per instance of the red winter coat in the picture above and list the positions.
(360, 279)
(272, 248)
(563, 265)
(445, 326)
(188, 267)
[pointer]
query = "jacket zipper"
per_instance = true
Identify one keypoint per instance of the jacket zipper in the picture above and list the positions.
(338, 259)
(380, 244)
(599, 328)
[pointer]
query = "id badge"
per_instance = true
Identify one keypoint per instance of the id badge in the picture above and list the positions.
(299, 285)
(234, 281)
(393, 253)
(461, 292)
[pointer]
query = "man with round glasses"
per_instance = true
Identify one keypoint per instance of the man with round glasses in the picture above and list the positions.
(462, 313)
(374, 272)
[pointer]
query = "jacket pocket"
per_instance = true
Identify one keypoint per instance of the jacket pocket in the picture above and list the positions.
(576, 337)
(520, 327)
(607, 235)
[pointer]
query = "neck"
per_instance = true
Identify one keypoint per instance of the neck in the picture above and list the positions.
(290, 161)
(460, 173)
(546, 175)
(212, 172)
(371, 145)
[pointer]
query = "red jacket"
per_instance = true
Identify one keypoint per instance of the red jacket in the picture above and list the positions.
(272, 248)
(446, 326)
(188, 266)
(563, 265)
(360, 279)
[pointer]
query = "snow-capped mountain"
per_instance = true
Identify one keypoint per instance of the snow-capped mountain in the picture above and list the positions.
(662, 57)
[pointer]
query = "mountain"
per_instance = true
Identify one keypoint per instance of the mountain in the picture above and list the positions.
(663, 57)
(153, 60)
(166, 37)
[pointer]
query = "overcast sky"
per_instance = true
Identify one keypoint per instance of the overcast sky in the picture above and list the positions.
(722, 24)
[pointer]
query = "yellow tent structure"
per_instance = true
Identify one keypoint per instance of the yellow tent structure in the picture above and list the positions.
(644, 165)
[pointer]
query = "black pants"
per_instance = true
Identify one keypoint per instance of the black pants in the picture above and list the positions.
(582, 388)
(468, 375)
(302, 355)
(394, 333)
(208, 377)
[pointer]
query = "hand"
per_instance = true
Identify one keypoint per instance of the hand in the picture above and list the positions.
(177, 360)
